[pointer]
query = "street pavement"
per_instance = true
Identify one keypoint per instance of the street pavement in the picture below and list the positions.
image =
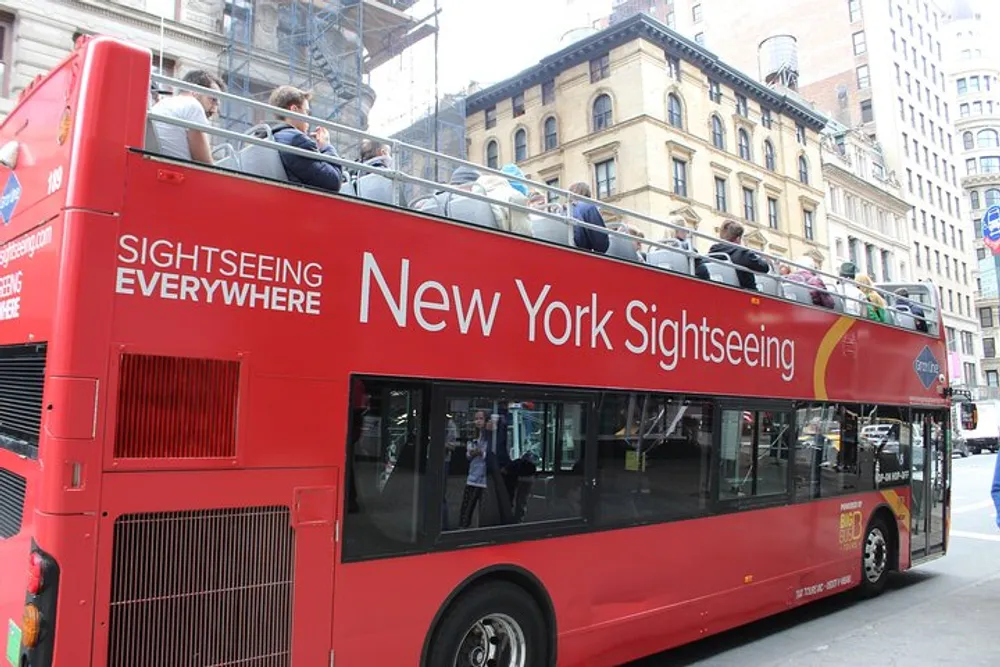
(946, 612)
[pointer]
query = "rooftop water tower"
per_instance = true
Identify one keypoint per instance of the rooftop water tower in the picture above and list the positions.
(583, 18)
(778, 59)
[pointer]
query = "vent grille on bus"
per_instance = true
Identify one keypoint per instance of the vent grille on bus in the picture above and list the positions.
(22, 376)
(202, 588)
(12, 489)
(173, 407)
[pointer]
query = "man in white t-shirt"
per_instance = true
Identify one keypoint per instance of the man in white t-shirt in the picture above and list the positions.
(180, 142)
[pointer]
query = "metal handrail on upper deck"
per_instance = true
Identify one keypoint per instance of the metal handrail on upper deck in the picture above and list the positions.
(397, 176)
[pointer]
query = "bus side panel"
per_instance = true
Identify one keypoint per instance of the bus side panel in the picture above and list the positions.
(618, 594)
(110, 116)
(241, 560)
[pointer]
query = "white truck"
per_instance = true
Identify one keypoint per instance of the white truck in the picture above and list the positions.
(986, 434)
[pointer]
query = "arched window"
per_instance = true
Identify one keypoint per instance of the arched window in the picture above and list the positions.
(493, 154)
(967, 140)
(718, 133)
(602, 112)
(551, 135)
(743, 139)
(974, 199)
(675, 115)
(520, 145)
(987, 139)
(992, 197)
(769, 155)
(803, 170)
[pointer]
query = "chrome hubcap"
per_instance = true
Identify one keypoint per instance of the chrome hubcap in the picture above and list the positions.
(876, 555)
(496, 640)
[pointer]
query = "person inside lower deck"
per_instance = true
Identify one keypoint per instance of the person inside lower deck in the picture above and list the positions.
(475, 483)
(181, 142)
(295, 132)
(731, 244)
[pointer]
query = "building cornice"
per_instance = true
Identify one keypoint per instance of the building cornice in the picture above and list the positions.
(835, 173)
(172, 29)
(643, 26)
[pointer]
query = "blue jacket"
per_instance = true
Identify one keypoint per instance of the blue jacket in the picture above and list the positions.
(585, 237)
(317, 173)
(996, 489)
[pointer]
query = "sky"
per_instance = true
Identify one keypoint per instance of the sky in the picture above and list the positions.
(482, 40)
(488, 41)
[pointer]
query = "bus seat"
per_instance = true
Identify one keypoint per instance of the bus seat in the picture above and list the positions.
(905, 320)
(669, 259)
(768, 284)
(265, 162)
(722, 272)
(375, 187)
(473, 211)
(152, 143)
(838, 303)
(797, 292)
(552, 230)
(621, 248)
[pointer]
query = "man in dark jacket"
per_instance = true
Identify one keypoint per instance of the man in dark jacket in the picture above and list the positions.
(294, 132)
(732, 237)
(904, 304)
(587, 238)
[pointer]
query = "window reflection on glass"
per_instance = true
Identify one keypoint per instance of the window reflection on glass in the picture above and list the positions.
(885, 431)
(510, 461)
(653, 454)
(388, 462)
(754, 454)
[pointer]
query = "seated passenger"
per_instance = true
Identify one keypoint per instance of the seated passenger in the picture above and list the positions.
(293, 132)
(903, 304)
(587, 238)
(855, 298)
(732, 238)
(876, 304)
(803, 274)
(502, 190)
(374, 154)
(180, 142)
(464, 177)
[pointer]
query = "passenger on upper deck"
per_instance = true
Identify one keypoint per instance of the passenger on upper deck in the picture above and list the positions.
(855, 298)
(904, 304)
(293, 132)
(876, 304)
(586, 237)
(805, 275)
(375, 154)
(179, 142)
(732, 236)
(503, 190)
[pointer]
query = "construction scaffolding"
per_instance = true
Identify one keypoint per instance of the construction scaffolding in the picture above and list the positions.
(329, 47)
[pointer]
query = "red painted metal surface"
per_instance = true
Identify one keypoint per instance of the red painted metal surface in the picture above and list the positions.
(300, 290)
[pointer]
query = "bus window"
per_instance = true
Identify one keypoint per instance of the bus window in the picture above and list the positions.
(511, 459)
(754, 453)
(653, 454)
(828, 458)
(385, 478)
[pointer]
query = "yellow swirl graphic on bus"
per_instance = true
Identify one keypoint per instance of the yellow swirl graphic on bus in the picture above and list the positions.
(826, 347)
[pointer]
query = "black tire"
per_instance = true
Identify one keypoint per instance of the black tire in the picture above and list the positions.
(876, 558)
(493, 598)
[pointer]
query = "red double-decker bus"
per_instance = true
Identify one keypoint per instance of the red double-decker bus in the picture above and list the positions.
(247, 423)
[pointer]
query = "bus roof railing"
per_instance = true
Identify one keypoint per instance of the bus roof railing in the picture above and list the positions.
(397, 176)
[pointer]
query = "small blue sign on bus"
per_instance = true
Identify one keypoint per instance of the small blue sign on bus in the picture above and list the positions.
(991, 229)
(9, 198)
(927, 367)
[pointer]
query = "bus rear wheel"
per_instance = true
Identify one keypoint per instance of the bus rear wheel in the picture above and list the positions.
(876, 558)
(497, 624)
